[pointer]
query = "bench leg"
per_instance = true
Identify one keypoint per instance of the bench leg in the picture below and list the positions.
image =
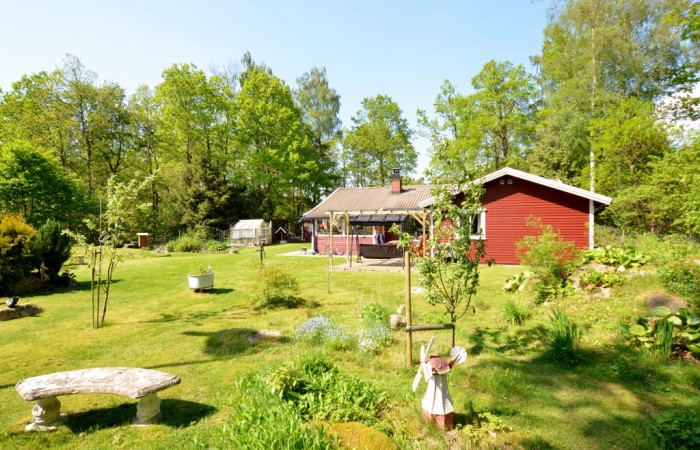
(147, 410)
(46, 415)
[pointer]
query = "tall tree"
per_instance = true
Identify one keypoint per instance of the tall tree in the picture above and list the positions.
(666, 198)
(34, 111)
(491, 128)
(196, 129)
(594, 54)
(625, 140)
(447, 143)
(274, 143)
(380, 140)
(320, 105)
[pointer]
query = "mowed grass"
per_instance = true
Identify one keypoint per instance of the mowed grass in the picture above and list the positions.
(154, 321)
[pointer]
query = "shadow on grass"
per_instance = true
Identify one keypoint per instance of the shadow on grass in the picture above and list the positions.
(176, 413)
(196, 317)
(603, 397)
(602, 405)
(519, 343)
(214, 291)
(53, 290)
(234, 341)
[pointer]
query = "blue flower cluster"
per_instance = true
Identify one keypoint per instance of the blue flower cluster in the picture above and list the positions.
(372, 339)
(321, 330)
(315, 329)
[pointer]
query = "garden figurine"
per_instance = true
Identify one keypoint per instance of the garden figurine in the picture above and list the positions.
(437, 404)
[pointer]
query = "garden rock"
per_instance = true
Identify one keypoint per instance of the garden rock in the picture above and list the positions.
(601, 292)
(397, 321)
(20, 311)
(264, 334)
(673, 303)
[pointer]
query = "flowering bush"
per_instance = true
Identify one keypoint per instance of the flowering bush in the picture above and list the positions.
(321, 330)
(374, 339)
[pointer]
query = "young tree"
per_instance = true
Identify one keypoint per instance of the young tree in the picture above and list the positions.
(380, 140)
(121, 209)
(450, 270)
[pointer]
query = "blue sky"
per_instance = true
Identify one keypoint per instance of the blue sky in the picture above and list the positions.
(404, 49)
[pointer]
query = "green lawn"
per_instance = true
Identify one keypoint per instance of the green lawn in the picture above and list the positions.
(154, 321)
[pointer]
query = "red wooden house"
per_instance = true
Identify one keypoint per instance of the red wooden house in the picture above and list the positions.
(512, 196)
(356, 215)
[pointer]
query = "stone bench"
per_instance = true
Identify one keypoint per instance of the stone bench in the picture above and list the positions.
(130, 382)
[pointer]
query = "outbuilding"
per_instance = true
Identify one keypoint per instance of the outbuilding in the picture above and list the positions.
(251, 232)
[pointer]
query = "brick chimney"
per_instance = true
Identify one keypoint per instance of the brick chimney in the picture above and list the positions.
(396, 181)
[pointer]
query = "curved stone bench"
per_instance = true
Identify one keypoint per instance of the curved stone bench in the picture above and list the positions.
(128, 381)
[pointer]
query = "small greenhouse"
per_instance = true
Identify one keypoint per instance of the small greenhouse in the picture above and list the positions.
(251, 232)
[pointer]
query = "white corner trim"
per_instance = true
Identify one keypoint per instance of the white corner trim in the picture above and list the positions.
(591, 224)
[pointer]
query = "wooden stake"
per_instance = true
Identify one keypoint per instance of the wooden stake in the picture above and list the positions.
(409, 337)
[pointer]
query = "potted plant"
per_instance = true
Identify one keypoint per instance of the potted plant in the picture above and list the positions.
(201, 278)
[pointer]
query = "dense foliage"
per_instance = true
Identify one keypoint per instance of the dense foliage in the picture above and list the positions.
(16, 237)
(272, 410)
(52, 247)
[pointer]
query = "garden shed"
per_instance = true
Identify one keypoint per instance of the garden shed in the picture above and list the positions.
(251, 232)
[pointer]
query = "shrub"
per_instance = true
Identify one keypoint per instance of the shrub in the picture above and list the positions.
(628, 257)
(373, 314)
(314, 330)
(275, 286)
(595, 279)
(263, 420)
(16, 237)
(514, 282)
(52, 248)
(374, 338)
(677, 429)
(551, 259)
(215, 246)
(666, 332)
(564, 336)
(320, 391)
(188, 242)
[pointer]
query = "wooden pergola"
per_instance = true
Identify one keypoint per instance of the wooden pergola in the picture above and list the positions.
(421, 216)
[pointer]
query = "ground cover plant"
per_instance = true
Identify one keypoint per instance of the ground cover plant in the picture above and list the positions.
(509, 394)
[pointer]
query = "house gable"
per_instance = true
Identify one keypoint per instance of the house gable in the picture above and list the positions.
(509, 205)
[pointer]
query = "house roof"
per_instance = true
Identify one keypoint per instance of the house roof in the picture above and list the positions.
(554, 184)
(248, 224)
(371, 201)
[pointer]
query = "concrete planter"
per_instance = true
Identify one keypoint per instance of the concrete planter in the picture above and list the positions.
(200, 282)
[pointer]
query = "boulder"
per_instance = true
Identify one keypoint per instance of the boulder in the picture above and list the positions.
(397, 321)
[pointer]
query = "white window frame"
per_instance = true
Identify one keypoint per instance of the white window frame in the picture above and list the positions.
(481, 215)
